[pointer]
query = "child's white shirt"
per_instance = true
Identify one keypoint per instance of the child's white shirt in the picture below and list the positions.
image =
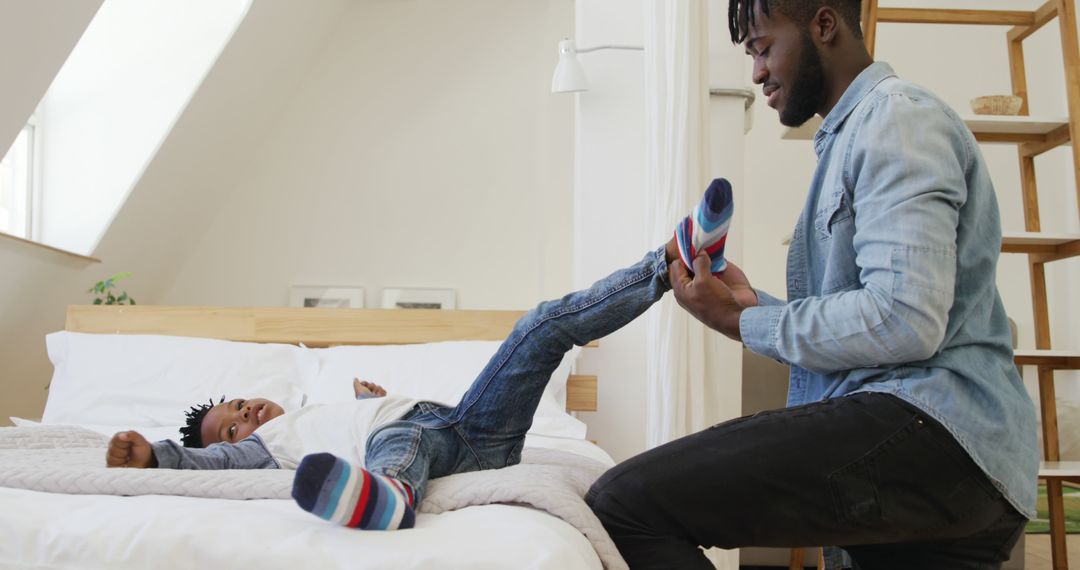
(341, 429)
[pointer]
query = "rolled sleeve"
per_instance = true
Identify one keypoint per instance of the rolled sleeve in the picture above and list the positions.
(758, 328)
(766, 300)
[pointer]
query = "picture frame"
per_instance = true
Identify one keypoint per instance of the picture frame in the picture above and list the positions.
(413, 298)
(339, 297)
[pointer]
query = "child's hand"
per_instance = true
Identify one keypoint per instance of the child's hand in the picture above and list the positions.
(364, 389)
(130, 449)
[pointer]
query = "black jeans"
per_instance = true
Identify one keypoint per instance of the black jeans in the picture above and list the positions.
(867, 472)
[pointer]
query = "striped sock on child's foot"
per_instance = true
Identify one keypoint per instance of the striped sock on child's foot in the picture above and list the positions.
(707, 226)
(332, 489)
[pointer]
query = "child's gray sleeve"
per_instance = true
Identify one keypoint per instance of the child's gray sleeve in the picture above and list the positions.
(248, 453)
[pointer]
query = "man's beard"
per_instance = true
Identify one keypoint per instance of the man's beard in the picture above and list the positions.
(808, 89)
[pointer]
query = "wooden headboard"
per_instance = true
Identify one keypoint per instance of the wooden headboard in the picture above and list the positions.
(315, 327)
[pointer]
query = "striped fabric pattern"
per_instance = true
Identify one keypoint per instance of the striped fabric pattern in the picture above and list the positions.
(332, 489)
(707, 227)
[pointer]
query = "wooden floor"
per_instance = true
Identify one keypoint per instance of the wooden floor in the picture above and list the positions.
(1037, 551)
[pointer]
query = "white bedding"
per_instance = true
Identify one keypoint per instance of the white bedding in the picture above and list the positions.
(112, 382)
(94, 531)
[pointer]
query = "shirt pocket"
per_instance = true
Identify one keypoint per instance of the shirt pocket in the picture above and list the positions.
(834, 233)
(834, 214)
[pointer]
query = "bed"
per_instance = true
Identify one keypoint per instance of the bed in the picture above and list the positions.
(109, 357)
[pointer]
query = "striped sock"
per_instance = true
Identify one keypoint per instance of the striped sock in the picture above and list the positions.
(706, 228)
(332, 489)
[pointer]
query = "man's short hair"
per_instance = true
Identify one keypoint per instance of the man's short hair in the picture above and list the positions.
(741, 13)
(191, 434)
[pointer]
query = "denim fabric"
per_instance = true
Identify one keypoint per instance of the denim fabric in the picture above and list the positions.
(867, 471)
(891, 278)
(486, 430)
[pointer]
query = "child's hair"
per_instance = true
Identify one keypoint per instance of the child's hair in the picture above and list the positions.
(191, 434)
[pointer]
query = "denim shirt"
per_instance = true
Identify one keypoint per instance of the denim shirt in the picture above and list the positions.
(890, 278)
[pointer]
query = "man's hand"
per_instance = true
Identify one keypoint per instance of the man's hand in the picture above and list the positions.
(716, 302)
(365, 389)
(130, 449)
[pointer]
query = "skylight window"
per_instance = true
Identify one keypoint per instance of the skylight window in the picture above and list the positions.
(106, 114)
(16, 185)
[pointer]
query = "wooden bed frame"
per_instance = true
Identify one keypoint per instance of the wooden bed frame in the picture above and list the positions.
(315, 327)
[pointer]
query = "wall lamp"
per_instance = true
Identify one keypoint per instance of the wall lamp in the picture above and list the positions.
(569, 75)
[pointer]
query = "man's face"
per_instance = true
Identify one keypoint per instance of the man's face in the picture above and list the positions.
(788, 65)
(236, 419)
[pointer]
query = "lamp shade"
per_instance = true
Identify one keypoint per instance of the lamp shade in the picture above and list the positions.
(569, 75)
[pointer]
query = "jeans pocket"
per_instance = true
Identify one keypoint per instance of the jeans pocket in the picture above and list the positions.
(855, 492)
(917, 483)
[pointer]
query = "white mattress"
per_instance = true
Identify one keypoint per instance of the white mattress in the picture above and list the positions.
(44, 530)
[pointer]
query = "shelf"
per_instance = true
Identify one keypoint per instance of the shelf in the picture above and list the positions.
(1060, 470)
(946, 16)
(1058, 359)
(16, 239)
(1048, 246)
(987, 128)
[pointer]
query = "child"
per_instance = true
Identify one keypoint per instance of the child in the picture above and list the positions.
(372, 474)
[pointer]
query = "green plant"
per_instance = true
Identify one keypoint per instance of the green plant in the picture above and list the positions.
(103, 291)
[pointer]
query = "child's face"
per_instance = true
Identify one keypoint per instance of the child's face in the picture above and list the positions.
(234, 420)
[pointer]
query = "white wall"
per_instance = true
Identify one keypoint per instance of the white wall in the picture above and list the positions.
(610, 224)
(423, 149)
(958, 63)
(114, 101)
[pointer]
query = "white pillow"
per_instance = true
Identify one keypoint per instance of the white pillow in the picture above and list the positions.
(150, 433)
(142, 381)
(439, 372)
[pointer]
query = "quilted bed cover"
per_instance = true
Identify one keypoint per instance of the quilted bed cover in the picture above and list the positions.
(189, 519)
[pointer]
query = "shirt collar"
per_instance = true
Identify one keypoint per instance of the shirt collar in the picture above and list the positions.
(862, 85)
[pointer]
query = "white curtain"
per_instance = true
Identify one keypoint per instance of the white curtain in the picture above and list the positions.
(694, 374)
(681, 391)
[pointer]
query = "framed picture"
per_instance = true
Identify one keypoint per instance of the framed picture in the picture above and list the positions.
(418, 299)
(326, 296)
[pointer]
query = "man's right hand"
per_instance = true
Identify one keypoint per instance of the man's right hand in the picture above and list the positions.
(716, 302)
(130, 449)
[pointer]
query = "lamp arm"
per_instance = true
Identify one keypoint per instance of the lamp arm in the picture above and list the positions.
(587, 50)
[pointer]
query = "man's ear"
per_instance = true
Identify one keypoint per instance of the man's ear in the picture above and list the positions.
(825, 25)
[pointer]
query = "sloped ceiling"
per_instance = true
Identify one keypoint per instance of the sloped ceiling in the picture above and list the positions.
(239, 101)
(35, 40)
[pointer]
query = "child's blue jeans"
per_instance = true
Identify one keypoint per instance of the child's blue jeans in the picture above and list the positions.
(486, 430)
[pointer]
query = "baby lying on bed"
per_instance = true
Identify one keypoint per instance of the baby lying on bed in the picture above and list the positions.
(366, 463)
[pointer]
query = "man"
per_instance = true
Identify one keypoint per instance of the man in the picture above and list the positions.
(909, 440)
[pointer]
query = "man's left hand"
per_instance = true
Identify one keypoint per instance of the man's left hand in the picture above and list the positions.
(716, 302)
